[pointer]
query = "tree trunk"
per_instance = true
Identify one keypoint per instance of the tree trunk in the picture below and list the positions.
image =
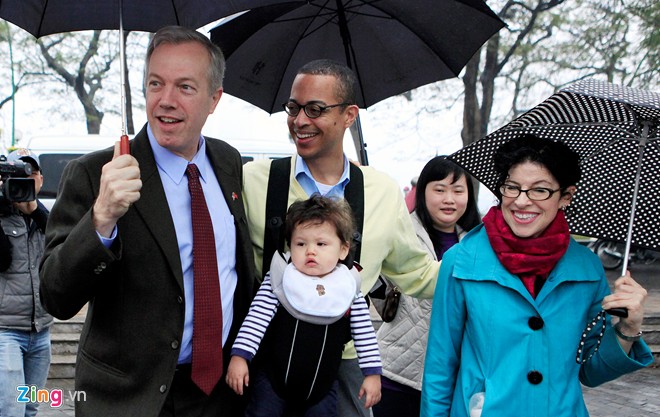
(93, 118)
(471, 114)
(84, 85)
(487, 79)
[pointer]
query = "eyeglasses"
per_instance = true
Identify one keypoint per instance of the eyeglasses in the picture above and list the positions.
(312, 110)
(535, 194)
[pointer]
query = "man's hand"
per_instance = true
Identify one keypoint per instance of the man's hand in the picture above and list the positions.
(238, 374)
(370, 387)
(120, 187)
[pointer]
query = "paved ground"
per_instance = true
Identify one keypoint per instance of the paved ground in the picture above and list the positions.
(632, 395)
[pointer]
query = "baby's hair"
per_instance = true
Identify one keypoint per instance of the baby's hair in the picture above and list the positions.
(318, 209)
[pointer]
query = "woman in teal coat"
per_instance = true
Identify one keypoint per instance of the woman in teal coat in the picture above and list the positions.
(513, 298)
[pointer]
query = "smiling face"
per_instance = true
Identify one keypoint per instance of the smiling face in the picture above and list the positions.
(323, 136)
(178, 96)
(525, 217)
(446, 202)
(316, 248)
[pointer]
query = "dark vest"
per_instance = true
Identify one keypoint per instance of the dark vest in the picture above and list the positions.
(310, 352)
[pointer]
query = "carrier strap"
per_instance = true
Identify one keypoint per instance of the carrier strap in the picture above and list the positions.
(276, 206)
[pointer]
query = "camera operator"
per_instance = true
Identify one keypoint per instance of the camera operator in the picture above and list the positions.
(24, 324)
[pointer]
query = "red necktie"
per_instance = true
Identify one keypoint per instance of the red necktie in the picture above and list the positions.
(207, 314)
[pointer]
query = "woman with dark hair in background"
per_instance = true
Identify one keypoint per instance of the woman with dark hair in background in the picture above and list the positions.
(445, 210)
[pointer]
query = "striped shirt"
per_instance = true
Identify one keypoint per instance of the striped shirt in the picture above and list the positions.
(264, 307)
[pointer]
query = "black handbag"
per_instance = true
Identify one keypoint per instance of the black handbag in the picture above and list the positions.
(385, 298)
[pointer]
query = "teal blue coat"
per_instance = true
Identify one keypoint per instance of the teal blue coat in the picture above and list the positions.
(482, 339)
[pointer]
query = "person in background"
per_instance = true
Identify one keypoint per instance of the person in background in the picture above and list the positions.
(24, 324)
(445, 210)
(410, 195)
(320, 108)
(133, 236)
(311, 307)
(514, 296)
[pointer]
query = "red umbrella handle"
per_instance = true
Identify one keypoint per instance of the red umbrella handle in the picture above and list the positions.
(124, 147)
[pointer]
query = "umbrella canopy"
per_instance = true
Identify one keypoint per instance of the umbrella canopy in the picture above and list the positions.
(615, 131)
(392, 45)
(41, 18)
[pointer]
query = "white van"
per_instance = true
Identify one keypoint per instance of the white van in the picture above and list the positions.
(56, 151)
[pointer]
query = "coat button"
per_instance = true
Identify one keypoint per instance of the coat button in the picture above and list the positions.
(535, 323)
(179, 299)
(175, 344)
(534, 377)
(163, 388)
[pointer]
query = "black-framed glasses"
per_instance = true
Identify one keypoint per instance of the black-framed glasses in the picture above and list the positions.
(535, 194)
(312, 110)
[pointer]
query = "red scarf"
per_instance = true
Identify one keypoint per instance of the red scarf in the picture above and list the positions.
(531, 259)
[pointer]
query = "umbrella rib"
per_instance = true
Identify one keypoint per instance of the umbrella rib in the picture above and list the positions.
(603, 148)
(655, 142)
(41, 21)
(324, 13)
(353, 8)
(413, 32)
(349, 51)
(320, 14)
(304, 34)
(176, 14)
(572, 125)
(588, 124)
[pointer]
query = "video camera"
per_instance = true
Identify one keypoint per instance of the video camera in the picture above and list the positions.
(15, 186)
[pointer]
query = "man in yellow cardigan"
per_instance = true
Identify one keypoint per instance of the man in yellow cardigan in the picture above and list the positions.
(320, 109)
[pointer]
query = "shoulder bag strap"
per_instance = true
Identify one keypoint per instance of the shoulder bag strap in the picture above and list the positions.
(277, 197)
(354, 194)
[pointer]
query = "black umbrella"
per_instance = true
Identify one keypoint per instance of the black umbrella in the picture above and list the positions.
(46, 17)
(392, 45)
(615, 131)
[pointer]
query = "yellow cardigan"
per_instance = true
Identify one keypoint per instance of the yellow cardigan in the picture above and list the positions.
(389, 243)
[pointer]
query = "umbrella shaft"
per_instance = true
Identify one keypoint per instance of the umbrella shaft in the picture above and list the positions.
(122, 69)
(640, 161)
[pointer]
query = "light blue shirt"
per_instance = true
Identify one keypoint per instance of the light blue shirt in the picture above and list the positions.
(172, 171)
(311, 186)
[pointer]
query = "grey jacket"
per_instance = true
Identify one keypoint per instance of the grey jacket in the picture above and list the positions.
(402, 342)
(20, 303)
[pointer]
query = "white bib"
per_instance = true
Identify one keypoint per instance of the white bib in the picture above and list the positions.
(330, 296)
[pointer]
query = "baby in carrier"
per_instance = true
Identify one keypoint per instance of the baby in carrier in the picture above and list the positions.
(303, 314)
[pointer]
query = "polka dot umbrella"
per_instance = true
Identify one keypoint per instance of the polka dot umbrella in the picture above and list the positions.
(615, 131)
